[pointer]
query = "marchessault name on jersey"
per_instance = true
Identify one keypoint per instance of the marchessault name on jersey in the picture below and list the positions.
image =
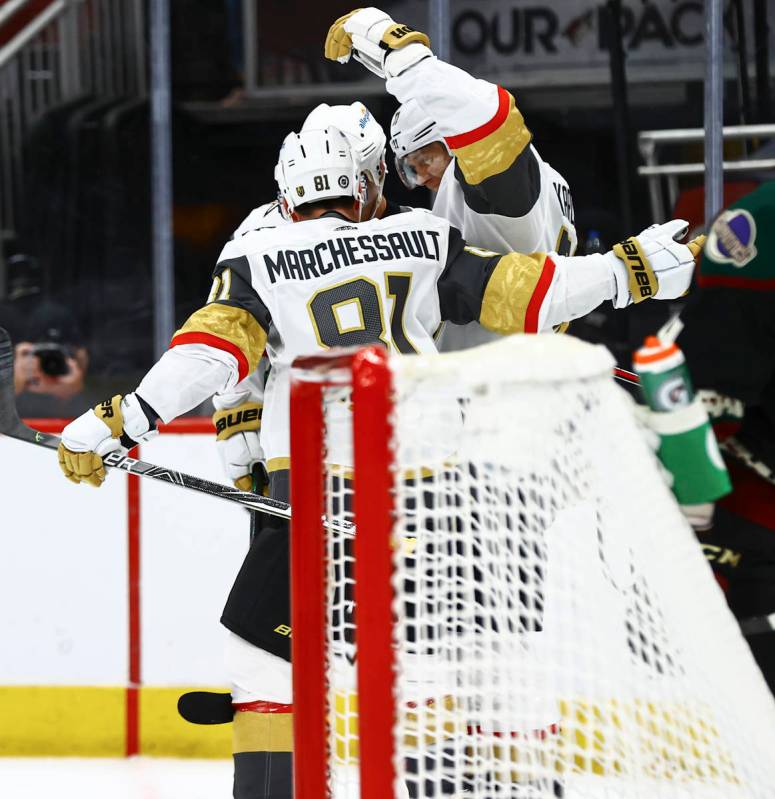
(336, 253)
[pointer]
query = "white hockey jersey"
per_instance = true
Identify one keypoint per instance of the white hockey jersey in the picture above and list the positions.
(329, 282)
(497, 190)
(266, 215)
(252, 388)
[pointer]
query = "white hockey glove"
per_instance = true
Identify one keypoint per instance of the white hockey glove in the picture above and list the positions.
(115, 424)
(237, 439)
(653, 265)
(385, 47)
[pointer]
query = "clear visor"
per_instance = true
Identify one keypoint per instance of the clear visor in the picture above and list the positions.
(416, 167)
(406, 172)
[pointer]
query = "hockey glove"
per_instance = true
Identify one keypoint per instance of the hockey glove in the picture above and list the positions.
(385, 47)
(115, 424)
(237, 438)
(653, 265)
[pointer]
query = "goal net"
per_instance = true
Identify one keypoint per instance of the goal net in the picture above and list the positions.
(501, 597)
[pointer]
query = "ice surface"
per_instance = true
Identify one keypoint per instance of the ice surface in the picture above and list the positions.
(108, 778)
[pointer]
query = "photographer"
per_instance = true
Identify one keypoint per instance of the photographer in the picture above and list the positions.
(51, 359)
(50, 364)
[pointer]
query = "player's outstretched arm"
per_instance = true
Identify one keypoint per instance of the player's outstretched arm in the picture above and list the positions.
(650, 266)
(518, 293)
(182, 379)
(217, 347)
(478, 121)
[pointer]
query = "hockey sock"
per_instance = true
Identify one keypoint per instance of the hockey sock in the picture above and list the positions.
(262, 746)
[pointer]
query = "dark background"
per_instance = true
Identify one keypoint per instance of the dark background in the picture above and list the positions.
(86, 214)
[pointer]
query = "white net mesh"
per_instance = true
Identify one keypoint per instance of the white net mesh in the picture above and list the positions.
(557, 630)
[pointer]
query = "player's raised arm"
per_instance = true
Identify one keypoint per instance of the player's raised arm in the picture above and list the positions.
(518, 293)
(218, 346)
(446, 109)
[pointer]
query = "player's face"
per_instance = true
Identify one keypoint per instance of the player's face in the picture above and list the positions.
(425, 167)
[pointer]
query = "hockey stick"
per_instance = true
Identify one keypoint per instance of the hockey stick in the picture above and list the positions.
(13, 427)
(626, 377)
(260, 482)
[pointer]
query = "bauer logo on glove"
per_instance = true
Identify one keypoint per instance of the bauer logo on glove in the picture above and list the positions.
(238, 441)
(234, 420)
(643, 282)
(654, 264)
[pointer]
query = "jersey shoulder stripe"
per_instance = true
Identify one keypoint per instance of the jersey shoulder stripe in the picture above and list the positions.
(488, 128)
(493, 147)
(235, 319)
(514, 293)
(227, 328)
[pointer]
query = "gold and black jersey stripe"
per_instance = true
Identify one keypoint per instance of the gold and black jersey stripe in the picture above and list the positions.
(234, 320)
(495, 166)
(503, 293)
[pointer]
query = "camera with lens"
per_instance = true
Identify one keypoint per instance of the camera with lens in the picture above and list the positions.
(53, 359)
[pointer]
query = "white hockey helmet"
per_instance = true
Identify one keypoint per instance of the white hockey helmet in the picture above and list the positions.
(316, 165)
(410, 129)
(365, 135)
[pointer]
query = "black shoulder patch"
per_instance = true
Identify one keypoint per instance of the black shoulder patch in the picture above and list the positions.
(512, 193)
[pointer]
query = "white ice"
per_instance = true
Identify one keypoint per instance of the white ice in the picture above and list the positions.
(108, 778)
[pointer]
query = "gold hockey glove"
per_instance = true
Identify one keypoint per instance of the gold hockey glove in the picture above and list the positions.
(115, 424)
(371, 36)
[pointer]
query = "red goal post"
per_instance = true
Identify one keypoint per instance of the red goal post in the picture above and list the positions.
(366, 371)
(523, 611)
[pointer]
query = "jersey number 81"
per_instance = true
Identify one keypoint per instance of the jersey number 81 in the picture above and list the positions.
(352, 314)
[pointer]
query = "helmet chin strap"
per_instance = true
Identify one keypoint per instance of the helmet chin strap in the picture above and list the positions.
(376, 203)
(284, 207)
(363, 195)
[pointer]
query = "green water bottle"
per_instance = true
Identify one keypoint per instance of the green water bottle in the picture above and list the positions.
(688, 447)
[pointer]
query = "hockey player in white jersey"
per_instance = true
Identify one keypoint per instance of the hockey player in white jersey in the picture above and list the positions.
(466, 140)
(238, 442)
(333, 279)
